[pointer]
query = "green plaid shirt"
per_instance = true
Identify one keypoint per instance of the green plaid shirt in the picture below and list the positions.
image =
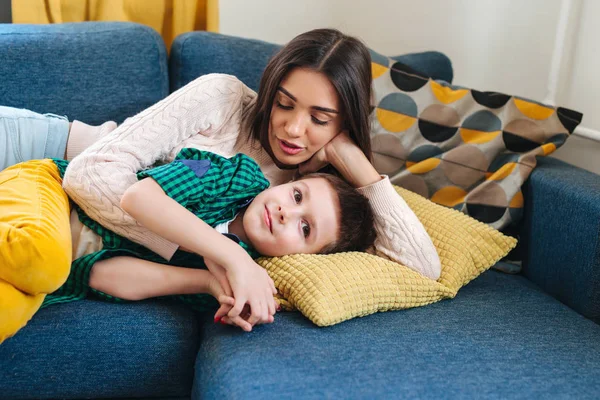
(212, 187)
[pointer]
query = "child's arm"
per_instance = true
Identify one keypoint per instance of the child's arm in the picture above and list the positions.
(135, 279)
(150, 206)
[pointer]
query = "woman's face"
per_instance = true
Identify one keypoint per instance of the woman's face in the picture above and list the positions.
(305, 116)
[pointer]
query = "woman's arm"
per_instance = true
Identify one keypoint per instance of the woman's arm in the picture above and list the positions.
(400, 235)
(97, 179)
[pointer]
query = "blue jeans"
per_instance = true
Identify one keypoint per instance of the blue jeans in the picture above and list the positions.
(26, 135)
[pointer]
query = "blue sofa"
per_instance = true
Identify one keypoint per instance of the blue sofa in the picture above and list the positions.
(531, 335)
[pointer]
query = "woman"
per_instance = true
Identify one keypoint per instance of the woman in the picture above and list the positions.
(312, 109)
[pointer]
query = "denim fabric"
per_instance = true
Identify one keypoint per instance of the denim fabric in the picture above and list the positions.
(561, 234)
(199, 53)
(98, 349)
(93, 72)
(500, 338)
(25, 135)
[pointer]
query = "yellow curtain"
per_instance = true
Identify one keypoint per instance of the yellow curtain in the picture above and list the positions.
(169, 17)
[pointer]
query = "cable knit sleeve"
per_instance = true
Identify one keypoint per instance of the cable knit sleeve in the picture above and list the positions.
(97, 178)
(400, 235)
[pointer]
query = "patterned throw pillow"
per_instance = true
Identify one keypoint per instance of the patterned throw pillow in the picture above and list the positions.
(460, 147)
(329, 289)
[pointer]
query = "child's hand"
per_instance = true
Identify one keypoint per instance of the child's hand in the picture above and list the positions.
(222, 292)
(251, 286)
(220, 289)
(227, 302)
(241, 320)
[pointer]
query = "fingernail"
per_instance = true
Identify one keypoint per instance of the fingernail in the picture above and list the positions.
(217, 319)
(222, 322)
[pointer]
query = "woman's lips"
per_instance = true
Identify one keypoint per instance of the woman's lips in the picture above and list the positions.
(267, 217)
(289, 148)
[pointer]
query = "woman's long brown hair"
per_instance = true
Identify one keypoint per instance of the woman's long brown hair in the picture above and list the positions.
(345, 61)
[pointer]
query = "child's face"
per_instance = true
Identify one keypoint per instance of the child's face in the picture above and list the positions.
(297, 217)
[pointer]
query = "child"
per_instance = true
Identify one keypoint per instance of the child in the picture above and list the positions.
(236, 211)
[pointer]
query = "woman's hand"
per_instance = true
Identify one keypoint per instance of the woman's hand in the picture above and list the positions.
(240, 321)
(220, 275)
(224, 300)
(252, 286)
(316, 162)
(322, 157)
(347, 158)
(226, 304)
(218, 287)
(221, 290)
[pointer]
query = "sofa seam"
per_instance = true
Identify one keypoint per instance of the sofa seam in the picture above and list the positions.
(164, 75)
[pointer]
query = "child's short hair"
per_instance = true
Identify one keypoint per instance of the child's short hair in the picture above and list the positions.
(357, 226)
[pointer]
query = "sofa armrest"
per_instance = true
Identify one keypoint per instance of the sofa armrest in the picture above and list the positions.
(561, 234)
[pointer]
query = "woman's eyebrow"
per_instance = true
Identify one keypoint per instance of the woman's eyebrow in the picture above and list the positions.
(319, 108)
(288, 94)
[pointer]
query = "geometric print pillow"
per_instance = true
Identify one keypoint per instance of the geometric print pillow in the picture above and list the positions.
(460, 147)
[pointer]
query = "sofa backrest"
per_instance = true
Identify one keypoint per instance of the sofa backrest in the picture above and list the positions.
(195, 54)
(92, 71)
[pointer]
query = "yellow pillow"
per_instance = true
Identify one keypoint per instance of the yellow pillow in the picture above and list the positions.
(329, 289)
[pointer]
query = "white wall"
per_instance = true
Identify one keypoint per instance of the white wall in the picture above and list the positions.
(500, 45)
(582, 88)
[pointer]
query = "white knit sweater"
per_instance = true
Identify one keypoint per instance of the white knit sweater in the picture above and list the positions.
(207, 114)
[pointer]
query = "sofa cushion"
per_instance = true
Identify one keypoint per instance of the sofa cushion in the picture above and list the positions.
(199, 53)
(91, 71)
(97, 349)
(501, 337)
(333, 288)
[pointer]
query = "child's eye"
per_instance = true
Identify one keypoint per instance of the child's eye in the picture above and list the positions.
(305, 229)
(319, 122)
(297, 196)
(283, 107)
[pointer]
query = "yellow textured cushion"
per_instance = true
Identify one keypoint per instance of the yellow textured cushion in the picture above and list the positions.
(329, 289)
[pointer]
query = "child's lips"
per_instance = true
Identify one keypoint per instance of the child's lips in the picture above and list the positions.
(267, 217)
